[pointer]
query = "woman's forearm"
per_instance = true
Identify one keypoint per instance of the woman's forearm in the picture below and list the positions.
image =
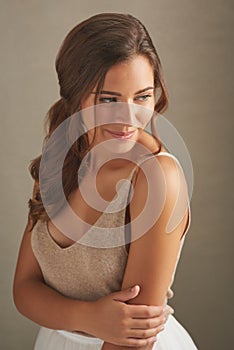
(48, 308)
(109, 346)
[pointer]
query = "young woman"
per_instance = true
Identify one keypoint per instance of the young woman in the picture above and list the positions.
(80, 293)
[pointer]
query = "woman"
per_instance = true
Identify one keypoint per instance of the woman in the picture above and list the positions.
(78, 290)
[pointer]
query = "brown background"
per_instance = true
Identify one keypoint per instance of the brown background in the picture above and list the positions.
(195, 43)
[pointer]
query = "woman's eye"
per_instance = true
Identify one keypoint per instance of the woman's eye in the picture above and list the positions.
(107, 99)
(143, 97)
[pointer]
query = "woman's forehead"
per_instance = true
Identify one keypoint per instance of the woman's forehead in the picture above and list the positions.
(136, 73)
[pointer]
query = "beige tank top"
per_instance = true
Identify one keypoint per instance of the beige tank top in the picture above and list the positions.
(85, 272)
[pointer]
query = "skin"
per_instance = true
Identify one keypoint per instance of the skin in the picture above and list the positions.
(157, 250)
(125, 80)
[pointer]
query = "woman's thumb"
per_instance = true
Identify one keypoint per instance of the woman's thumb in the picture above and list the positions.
(127, 294)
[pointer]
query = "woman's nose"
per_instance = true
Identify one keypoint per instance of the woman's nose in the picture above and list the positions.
(132, 114)
(127, 113)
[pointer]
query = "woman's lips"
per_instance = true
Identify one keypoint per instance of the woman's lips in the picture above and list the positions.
(122, 135)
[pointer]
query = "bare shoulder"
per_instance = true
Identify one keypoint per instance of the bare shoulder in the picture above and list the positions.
(163, 166)
(160, 191)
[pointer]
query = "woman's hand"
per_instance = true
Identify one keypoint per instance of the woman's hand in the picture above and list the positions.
(116, 322)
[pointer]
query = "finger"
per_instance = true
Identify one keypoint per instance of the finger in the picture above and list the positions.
(134, 342)
(171, 310)
(167, 312)
(144, 333)
(168, 309)
(147, 323)
(144, 311)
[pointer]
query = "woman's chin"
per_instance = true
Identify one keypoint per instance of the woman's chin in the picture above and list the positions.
(113, 145)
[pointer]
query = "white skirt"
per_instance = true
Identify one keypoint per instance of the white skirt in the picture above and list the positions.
(173, 337)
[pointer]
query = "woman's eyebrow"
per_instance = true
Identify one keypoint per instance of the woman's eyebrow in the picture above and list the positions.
(113, 93)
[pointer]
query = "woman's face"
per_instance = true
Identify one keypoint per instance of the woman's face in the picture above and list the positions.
(130, 82)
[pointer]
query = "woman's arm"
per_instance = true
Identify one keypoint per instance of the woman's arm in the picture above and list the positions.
(152, 257)
(47, 307)
(37, 301)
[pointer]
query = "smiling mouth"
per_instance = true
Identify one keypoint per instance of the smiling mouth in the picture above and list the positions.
(121, 135)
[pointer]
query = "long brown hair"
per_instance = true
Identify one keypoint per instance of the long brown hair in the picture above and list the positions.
(88, 51)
